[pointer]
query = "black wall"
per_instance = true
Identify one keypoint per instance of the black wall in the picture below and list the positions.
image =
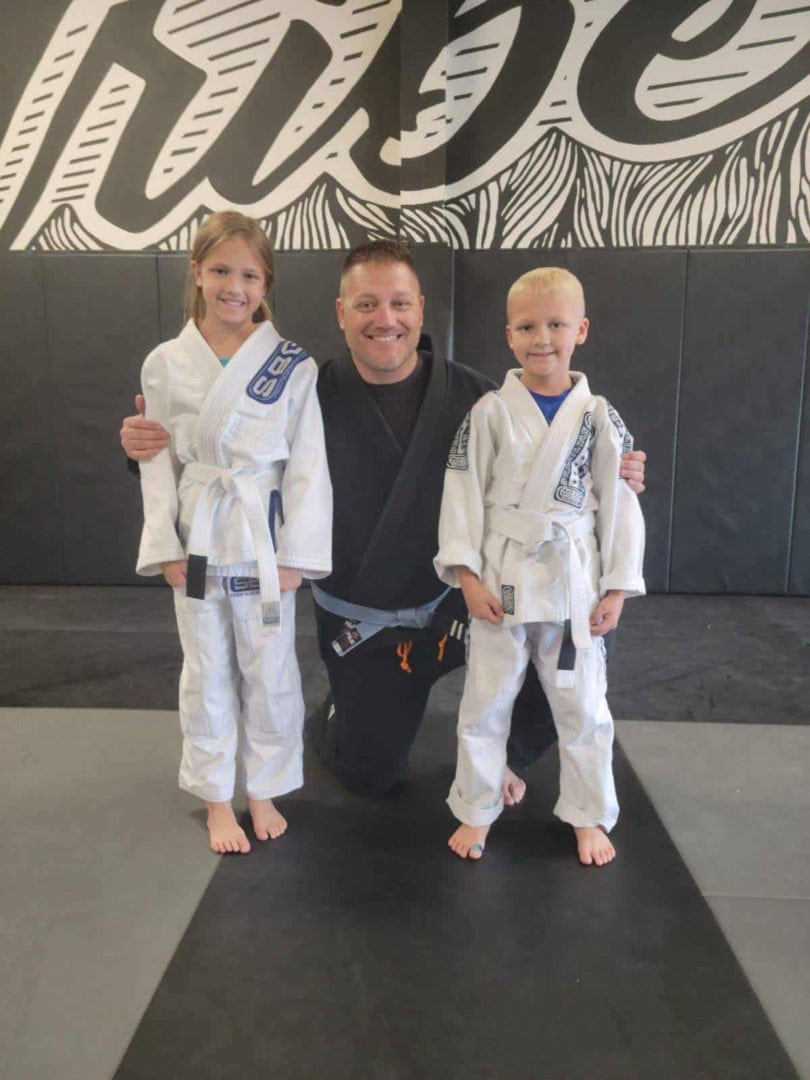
(703, 352)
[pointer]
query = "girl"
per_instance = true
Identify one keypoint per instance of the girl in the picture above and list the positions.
(236, 511)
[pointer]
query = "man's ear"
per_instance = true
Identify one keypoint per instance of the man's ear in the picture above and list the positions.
(339, 312)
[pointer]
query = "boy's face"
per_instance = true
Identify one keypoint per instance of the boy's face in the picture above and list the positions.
(544, 328)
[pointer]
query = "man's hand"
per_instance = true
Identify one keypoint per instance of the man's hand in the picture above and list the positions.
(289, 579)
(175, 572)
(142, 438)
(606, 614)
(632, 470)
(480, 602)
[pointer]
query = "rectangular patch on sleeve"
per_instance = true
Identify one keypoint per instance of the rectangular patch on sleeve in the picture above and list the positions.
(267, 385)
(508, 599)
(457, 457)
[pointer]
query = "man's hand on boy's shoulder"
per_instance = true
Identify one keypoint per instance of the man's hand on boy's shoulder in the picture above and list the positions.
(142, 438)
(633, 470)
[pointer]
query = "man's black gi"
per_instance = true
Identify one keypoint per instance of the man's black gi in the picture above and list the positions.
(386, 514)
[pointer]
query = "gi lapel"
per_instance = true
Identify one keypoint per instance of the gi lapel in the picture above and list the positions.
(230, 386)
(374, 577)
(542, 480)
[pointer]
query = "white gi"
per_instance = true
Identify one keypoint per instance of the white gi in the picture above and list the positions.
(539, 513)
(244, 487)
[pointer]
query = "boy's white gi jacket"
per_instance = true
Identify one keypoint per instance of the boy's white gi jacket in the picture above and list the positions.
(538, 511)
(246, 470)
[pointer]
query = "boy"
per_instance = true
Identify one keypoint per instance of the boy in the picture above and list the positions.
(545, 542)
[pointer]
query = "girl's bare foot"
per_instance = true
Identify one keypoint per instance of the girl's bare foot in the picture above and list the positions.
(225, 834)
(513, 788)
(469, 841)
(594, 846)
(268, 824)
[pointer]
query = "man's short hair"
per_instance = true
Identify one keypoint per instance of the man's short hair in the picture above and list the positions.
(383, 251)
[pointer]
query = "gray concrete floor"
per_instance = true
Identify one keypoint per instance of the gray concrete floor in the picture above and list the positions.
(104, 860)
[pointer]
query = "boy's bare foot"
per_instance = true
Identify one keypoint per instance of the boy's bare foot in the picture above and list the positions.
(268, 824)
(513, 788)
(469, 841)
(594, 846)
(225, 834)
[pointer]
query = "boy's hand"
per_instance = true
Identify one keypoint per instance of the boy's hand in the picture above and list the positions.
(175, 572)
(289, 579)
(632, 470)
(480, 602)
(142, 438)
(606, 614)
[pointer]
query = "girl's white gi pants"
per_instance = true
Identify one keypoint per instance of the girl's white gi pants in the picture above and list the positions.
(232, 670)
(496, 667)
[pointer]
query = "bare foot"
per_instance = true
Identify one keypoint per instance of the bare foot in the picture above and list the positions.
(469, 841)
(513, 788)
(225, 834)
(594, 846)
(268, 824)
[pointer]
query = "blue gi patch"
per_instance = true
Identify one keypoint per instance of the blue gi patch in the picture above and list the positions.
(267, 385)
(243, 586)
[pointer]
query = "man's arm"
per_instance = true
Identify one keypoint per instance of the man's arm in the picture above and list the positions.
(142, 438)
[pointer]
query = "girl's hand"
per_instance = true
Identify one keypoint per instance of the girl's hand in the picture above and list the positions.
(175, 572)
(480, 602)
(289, 579)
(606, 614)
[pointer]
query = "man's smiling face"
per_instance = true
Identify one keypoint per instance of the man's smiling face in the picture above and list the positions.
(380, 310)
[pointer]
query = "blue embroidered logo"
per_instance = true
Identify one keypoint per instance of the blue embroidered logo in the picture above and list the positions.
(243, 586)
(267, 385)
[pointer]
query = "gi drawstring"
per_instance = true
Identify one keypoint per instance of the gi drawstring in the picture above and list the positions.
(442, 644)
(403, 652)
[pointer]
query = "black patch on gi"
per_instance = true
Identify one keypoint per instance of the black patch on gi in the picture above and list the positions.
(571, 488)
(508, 599)
(457, 458)
(618, 423)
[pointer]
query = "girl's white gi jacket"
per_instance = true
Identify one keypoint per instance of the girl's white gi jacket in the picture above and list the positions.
(538, 511)
(246, 442)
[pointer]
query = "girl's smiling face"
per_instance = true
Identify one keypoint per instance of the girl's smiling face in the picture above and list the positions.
(233, 285)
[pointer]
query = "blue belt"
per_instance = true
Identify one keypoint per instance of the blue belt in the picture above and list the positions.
(363, 623)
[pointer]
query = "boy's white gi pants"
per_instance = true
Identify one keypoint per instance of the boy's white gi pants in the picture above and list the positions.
(496, 667)
(232, 669)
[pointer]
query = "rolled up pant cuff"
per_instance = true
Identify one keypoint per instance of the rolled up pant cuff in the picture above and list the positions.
(472, 815)
(584, 819)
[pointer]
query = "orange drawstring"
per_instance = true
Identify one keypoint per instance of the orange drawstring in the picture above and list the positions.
(442, 644)
(403, 652)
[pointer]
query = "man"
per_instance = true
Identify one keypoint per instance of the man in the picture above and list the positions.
(386, 628)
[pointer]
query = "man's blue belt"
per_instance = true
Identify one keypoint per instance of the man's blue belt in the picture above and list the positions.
(363, 623)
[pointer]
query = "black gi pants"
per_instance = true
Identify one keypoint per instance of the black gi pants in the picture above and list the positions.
(365, 729)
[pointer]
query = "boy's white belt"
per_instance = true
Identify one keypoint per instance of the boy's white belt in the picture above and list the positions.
(532, 531)
(241, 484)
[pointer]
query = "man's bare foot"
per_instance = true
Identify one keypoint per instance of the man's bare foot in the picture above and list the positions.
(268, 824)
(594, 846)
(469, 841)
(225, 834)
(513, 788)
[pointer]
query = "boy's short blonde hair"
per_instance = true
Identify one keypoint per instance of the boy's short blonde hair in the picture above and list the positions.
(542, 278)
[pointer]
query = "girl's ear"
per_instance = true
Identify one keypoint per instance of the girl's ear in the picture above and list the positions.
(195, 270)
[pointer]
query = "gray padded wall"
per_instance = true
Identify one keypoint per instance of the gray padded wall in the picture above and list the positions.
(29, 495)
(738, 420)
(799, 576)
(102, 319)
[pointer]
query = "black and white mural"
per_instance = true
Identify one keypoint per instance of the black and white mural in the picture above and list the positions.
(475, 123)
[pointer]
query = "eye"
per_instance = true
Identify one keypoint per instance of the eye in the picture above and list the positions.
(364, 305)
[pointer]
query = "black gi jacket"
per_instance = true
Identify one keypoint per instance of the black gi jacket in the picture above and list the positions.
(386, 503)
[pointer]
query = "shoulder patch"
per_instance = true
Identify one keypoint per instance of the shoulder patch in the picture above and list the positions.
(267, 385)
(571, 485)
(618, 423)
(457, 458)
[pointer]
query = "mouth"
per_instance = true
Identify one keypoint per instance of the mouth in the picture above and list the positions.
(385, 337)
(230, 302)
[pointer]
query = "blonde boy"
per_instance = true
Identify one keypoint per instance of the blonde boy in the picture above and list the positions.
(545, 542)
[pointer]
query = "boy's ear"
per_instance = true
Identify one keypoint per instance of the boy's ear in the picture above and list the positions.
(509, 335)
(583, 331)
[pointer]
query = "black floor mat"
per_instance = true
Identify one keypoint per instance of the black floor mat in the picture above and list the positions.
(359, 947)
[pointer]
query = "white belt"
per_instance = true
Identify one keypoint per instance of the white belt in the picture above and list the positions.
(240, 483)
(534, 530)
